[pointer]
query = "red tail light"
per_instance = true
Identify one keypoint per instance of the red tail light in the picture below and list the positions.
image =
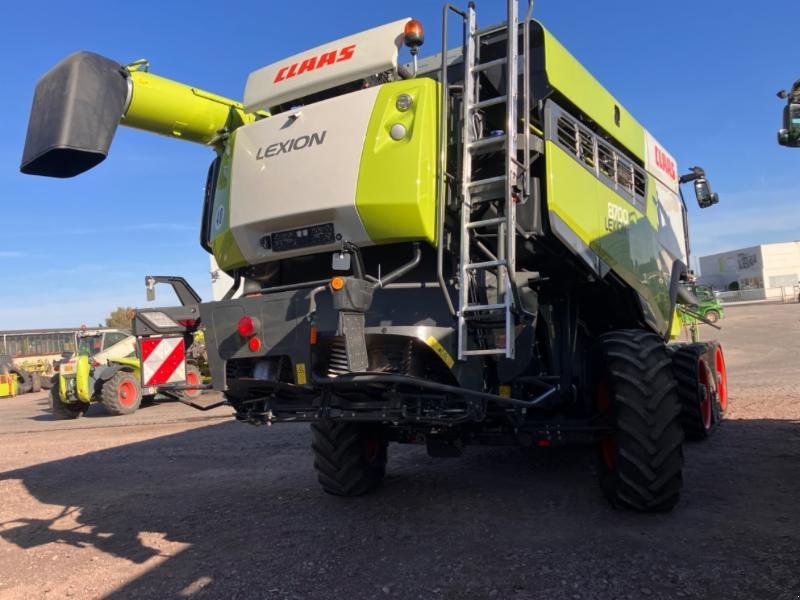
(254, 344)
(246, 326)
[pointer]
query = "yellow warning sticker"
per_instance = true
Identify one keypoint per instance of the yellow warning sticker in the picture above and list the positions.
(505, 391)
(440, 350)
(300, 369)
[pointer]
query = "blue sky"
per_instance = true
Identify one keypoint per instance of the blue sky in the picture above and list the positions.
(701, 76)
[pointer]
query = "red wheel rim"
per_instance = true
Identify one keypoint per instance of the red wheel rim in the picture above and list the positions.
(126, 393)
(192, 379)
(722, 378)
(706, 381)
(608, 446)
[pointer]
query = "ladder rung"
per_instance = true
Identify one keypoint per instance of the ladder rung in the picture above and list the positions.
(489, 102)
(484, 352)
(487, 142)
(488, 65)
(479, 307)
(486, 222)
(487, 182)
(485, 265)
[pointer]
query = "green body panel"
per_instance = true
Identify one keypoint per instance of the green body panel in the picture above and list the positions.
(131, 364)
(82, 384)
(396, 190)
(224, 247)
(629, 246)
(177, 110)
(570, 78)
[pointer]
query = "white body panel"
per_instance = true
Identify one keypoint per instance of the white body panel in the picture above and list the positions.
(300, 169)
(664, 168)
(324, 67)
(661, 163)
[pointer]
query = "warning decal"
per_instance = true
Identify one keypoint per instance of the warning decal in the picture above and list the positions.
(163, 360)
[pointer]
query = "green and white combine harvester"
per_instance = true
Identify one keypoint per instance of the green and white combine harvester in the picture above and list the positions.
(107, 369)
(485, 248)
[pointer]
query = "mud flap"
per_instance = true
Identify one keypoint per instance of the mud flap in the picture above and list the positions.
(351, 326)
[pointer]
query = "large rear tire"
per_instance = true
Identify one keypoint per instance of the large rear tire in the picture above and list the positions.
(24, 382)
(121, 395)
(62, 411)
(350, 458)
(642, 462)
(697, 389)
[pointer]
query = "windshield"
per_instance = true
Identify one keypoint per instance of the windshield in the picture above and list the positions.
(90, 344)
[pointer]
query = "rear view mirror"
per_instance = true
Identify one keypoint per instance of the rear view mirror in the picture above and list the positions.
(702, 191)
(790, 134)
(150, 285)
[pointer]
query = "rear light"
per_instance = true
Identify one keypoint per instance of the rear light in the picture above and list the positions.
(254, 344)
(246, 327)
(95, 364)
(337, 283)
(188, 323)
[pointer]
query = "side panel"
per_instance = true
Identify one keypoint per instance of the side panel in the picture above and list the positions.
(569, 77)
(600, 224)
(223, 245)
(396, 194)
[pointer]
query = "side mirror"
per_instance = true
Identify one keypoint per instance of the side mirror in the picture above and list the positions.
(702, 191)
(789, 135)
(150, 286)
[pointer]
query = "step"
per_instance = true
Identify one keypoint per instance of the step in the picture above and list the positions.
(485, 352)
(488, 143)
(487, 182)
(489, 102)
(488, 65)
(489, 264)
(479, 307)
(486, 222)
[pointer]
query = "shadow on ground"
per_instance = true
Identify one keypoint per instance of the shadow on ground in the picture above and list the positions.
(494, 523)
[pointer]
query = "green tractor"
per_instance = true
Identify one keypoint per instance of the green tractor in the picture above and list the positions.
(106, 369)
(479, 247)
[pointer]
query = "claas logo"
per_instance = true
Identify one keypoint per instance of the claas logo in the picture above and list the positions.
(315, 62)
(665, 163)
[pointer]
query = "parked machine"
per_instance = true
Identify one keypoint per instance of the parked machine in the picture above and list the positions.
(789, 134)
(106, 369)
(481, 247)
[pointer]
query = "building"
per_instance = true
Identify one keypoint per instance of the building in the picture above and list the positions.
(765, 271)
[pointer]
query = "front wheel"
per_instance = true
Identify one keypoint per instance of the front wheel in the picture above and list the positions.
(712, 316)
(641, 462)
(121, 395)
(59, 409)
(350, 458)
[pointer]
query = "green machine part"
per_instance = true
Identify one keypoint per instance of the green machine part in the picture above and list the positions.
(174, 109)
(80, 102)
(396, 192)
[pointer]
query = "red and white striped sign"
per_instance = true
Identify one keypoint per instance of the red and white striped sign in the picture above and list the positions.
(163, 360)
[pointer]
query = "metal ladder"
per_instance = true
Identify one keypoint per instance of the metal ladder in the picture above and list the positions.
(476, 191)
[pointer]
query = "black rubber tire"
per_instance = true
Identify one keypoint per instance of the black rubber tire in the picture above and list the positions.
(686, 368)
(24, 383)
(350, 458)
(116, 391)
(62, 411)
(47, 382)
(36, 382)
(712, 315)
(641, 466)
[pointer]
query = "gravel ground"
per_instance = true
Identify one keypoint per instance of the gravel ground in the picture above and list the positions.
(175, 503)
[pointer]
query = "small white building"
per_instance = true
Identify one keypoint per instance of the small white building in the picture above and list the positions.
(765, 271)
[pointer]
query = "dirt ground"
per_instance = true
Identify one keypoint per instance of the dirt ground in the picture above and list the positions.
(174, 503)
